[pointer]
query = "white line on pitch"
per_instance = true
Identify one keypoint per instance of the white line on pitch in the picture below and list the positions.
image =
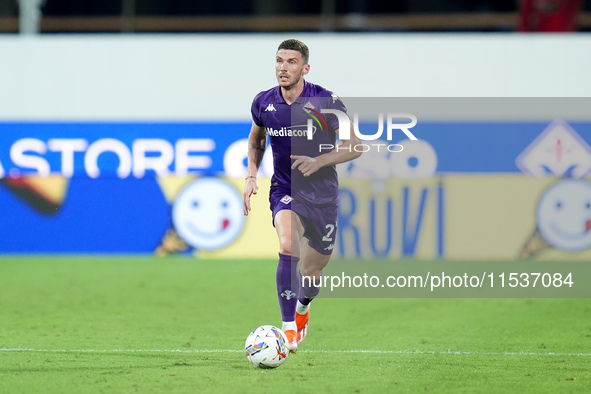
(454, 352)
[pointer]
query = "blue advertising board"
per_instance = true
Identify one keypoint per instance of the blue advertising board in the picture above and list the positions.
(110, 199)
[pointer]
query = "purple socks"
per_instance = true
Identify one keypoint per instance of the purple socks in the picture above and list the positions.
(309, 291)
(287, 286)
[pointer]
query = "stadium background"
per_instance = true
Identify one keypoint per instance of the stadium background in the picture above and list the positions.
(106, 138)
(100, 133)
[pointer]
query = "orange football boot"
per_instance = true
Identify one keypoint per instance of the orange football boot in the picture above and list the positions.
(302, 323)
(292, 342)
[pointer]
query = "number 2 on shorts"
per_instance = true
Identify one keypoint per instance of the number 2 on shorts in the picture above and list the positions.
(327, 237)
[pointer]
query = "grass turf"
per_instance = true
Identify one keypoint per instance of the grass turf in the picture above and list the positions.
(176, 325)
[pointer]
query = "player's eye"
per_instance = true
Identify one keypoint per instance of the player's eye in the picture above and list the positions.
(224, 204)
(558, 204)
(588, 205)
(195, 204)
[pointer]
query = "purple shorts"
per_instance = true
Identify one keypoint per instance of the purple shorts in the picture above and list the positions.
(320, 223)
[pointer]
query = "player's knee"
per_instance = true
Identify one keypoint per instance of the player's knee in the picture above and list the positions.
(311, 272)
(285, 246)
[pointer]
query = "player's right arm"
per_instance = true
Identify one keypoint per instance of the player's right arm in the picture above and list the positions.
(257, 143)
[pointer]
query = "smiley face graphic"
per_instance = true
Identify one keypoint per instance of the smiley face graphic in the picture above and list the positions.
(564, 215)
(207, 213)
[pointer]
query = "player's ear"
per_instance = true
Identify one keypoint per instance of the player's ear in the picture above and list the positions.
(306, 69)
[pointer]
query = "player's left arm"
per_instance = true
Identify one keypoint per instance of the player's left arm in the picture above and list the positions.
(346, 152)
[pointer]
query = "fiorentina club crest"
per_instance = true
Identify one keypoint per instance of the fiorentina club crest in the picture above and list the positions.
(308, 107)
(558, 151)
(286, 199)
(288, 294)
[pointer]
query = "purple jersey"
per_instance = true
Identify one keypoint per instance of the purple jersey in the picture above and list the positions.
(286, 125)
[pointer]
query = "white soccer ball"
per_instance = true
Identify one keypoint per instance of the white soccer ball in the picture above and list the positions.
(266, 347)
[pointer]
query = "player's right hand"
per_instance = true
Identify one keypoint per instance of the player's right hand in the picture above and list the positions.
(250, 187)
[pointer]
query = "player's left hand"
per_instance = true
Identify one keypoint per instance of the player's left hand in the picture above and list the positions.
(306, 165)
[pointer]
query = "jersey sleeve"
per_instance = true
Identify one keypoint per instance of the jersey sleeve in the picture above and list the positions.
(255, 110)
(335, 103)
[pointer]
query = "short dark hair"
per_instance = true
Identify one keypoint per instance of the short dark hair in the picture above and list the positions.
(296, 45)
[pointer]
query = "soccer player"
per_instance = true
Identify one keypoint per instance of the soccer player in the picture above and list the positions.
(304, 186)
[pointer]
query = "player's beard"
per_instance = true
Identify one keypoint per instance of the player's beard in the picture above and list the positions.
(291, 85)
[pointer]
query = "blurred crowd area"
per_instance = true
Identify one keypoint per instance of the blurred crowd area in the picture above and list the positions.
(266, 7)
(534, 15)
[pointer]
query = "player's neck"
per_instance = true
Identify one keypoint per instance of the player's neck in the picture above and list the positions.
(291, 94)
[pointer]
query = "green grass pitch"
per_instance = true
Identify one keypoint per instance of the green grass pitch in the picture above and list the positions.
(178, 325)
